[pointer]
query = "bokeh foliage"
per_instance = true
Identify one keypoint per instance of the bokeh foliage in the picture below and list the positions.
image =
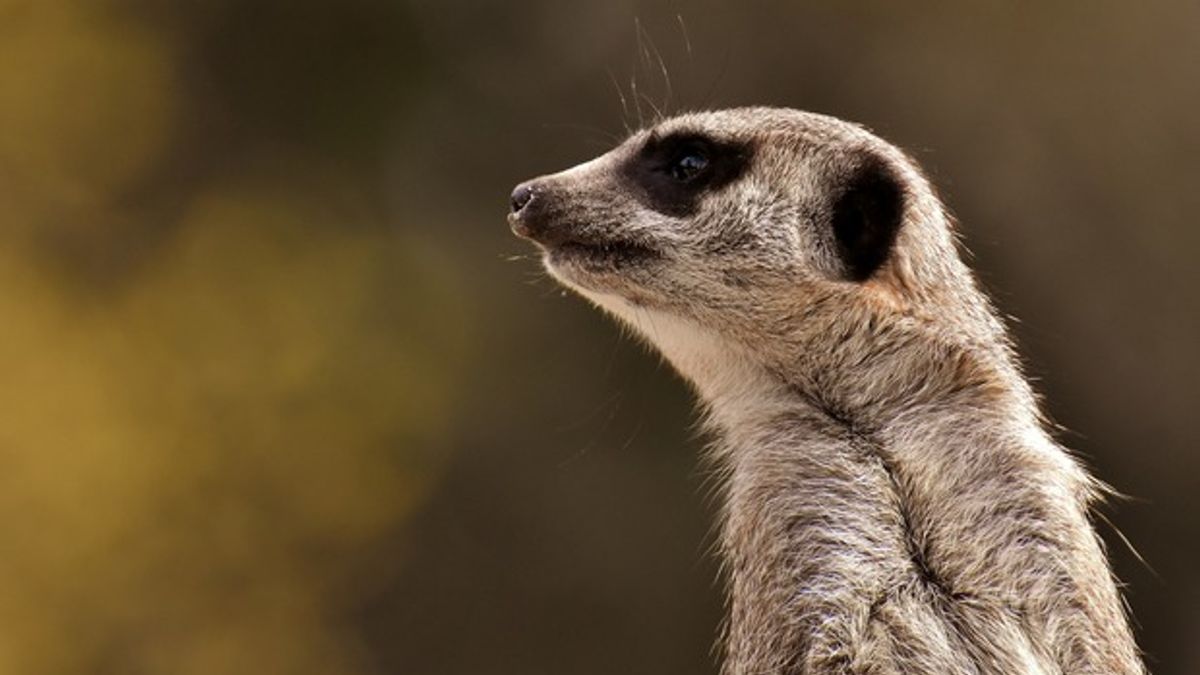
(214, 399)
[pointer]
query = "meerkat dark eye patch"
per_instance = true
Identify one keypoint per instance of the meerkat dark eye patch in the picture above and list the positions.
(670, 173)
(867, 212)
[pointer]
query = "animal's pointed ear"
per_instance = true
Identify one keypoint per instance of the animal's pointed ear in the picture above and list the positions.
(867, 211)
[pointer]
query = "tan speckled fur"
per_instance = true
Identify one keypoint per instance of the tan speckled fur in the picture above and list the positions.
(892, 500)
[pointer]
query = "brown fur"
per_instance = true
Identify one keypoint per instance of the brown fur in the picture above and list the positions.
(893, 503)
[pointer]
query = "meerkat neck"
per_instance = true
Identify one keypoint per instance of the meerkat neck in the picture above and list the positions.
(952, 534)
(734, 386)
(927, 522)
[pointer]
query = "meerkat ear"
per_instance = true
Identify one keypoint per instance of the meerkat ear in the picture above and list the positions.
(867, 212)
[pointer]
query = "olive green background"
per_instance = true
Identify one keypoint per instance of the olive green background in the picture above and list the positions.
(282, 394)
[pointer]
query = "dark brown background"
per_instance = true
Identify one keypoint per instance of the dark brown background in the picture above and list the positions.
(282, 393)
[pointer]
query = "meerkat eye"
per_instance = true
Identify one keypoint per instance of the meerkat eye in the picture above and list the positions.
(672, 172)
(688, 164)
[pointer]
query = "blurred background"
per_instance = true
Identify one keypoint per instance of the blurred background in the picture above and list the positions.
(282, 394)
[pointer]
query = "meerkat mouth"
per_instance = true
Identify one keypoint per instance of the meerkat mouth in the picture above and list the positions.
(602, 254)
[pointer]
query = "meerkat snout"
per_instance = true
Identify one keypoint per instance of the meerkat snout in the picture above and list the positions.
(538, 214)
(520, 197)
(518, 218)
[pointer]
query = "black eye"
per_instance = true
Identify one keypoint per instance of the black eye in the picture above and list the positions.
(671, 172)
(688, 165)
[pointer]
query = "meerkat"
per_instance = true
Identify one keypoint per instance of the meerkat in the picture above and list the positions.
(892, 501)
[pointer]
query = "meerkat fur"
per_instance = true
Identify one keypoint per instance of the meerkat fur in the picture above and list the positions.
(892, 501)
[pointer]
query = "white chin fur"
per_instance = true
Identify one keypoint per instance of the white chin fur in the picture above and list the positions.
(733, 387)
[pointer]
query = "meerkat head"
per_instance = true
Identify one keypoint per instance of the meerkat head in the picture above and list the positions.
(739, 220)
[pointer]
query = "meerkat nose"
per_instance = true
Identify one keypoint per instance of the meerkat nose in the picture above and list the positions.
(521, 196)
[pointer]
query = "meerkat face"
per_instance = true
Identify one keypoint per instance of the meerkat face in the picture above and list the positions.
(718, 212)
